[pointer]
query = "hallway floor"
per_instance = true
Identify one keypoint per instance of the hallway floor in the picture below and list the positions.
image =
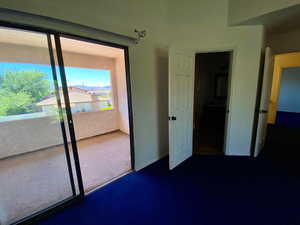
(34, 181)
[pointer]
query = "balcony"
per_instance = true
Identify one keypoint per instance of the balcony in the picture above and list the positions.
(35, 178)
(35, 170)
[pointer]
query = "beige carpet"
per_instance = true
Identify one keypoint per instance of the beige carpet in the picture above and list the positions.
(34, 181)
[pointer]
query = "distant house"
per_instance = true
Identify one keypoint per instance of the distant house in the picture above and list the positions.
(81, 100)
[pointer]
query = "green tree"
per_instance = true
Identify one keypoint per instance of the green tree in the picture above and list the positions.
(20, 90)
(30, 82)
(14, 103)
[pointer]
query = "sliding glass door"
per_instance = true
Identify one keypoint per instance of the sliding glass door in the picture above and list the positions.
(39, 165)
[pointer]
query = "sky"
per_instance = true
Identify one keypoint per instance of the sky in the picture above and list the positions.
(74, 75)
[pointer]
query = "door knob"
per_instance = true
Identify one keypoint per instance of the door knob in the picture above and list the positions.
(263, 111)
(172, 118)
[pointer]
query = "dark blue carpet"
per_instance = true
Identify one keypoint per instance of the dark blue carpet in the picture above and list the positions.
(288, 119)
(205, 190)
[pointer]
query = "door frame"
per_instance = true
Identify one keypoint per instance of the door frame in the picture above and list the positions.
(57, 34)
(232, 50)
(281, 61)
(279, 65)
(259, 95)
(257, 105)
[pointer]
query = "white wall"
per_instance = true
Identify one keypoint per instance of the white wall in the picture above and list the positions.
(21, 136)
(289, 96)
(200, 25)
(122, 94)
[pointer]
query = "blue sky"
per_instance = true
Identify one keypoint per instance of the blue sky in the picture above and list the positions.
(75, 75)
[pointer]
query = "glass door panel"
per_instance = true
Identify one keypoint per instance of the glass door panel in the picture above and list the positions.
(37, 168)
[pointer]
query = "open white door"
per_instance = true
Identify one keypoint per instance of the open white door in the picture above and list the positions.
(227, 116)
(264, 101)
(181, 97)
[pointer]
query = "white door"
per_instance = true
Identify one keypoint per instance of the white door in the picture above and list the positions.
(227, 116)
(264, 101)
(181, 97)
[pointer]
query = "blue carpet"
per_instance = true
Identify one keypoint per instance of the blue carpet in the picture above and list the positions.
(288, 119)
(205, 190)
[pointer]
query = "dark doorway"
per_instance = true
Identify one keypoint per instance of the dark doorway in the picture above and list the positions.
(212, 79)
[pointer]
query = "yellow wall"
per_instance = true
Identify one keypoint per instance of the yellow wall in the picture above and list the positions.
(281, 61)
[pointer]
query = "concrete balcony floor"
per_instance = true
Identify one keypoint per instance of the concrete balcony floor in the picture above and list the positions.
(104, 158)
(34, 181)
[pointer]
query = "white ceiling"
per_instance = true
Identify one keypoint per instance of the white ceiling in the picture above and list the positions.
(279, 21)
(20, 37)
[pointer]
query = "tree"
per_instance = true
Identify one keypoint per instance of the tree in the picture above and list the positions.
(31, 82)
(14, 103)
(20, 90)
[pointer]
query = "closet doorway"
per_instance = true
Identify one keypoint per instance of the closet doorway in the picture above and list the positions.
(211, 102)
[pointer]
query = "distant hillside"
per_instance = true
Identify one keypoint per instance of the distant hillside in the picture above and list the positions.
(93, 88)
